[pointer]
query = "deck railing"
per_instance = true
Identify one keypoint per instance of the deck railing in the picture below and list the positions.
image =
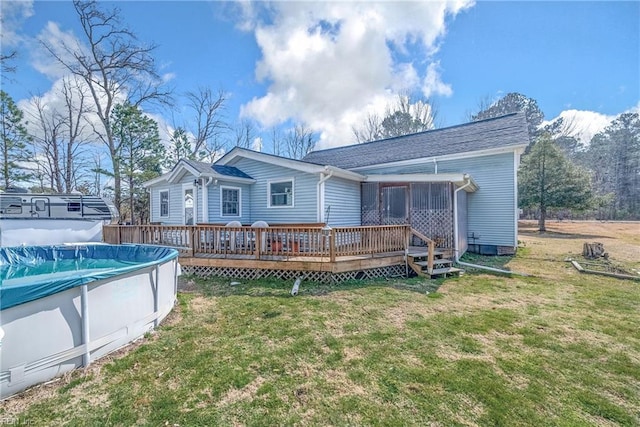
(257, 243)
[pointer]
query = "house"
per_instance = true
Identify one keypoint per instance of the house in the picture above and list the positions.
(456, 185)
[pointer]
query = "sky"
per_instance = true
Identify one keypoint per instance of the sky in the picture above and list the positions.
(330, 64)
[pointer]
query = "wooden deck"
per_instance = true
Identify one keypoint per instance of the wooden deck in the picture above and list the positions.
(286, 251)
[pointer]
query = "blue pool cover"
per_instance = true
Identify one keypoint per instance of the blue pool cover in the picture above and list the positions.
(31, 272)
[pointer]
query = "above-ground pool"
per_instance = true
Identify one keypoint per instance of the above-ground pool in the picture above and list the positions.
(63, 306)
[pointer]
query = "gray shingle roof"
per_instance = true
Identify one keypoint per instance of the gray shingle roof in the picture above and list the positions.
(504, 131)
(207, 168)
(230, 171)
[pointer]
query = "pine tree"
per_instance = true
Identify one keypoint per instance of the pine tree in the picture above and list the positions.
(13, 149)
(140, 153)
(548, 180)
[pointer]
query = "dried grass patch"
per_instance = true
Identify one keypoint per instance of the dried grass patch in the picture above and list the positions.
(247, 392)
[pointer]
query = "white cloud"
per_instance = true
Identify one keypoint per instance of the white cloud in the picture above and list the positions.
(329, 64)
(582, 124)
(432, 84)
(62, 43)
(13, 14)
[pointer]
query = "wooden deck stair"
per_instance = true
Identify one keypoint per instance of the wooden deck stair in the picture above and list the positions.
(442, 266)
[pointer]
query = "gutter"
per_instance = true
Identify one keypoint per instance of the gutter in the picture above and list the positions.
(467, 183)
(320, 193)
(456, 250)
(205, 199)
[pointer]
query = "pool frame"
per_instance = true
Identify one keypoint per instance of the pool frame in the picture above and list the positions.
(47, 337)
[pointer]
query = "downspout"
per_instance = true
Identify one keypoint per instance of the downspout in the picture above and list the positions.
(435, 166)
(455, 236)
(320, 193)
(467, 183)
(205, 199)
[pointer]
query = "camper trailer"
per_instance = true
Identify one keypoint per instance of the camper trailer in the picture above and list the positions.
(43, 219)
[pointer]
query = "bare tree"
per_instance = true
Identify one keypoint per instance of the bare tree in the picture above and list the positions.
(299, 141)
(403, 117)
(276, 140)
(58, 143)
(114, 66)
(244, 134)
(6, 61)
(47, 145)
(209, 124)
(370, 130)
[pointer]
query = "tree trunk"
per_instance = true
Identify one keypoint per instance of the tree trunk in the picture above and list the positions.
(593, 250)
(541, 220)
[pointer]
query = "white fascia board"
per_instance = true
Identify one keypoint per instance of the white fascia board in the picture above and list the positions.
(268, 158)
(180, 169)
(456, 156)
(159, 179)
(458, 179)
(343, 173)
(227, 178)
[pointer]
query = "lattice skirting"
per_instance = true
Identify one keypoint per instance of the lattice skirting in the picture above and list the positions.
(310, 276)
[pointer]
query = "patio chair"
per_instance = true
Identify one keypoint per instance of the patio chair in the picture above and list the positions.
(263, 239)
(229, 237)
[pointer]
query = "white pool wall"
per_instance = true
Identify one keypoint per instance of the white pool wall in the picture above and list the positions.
(49, 336)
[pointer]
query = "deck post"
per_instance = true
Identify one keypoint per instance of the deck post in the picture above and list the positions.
(192, 229)
(332, 245)
(432, 249)
(258, 242)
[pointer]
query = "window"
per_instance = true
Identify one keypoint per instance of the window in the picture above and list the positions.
(41, 205)
(10, 205)
(72, 207)
(230, 201)
(281, 193)
(164, 203)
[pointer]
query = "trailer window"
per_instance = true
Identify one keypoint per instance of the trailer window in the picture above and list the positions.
(41, 205)
(73, 207)
(10, 205)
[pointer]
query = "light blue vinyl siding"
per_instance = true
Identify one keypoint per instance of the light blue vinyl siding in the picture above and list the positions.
(214, 203)
(342, 197)
(491, 210)
(175, 204)
(304, 193)
(176, 214)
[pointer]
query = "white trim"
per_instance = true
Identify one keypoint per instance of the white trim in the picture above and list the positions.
(459, 179)
(160, 203)
(293, 193)
(189, 186)
(239, 190)
(156, 180)
(321, 195)
(456, 156)
(516, 213)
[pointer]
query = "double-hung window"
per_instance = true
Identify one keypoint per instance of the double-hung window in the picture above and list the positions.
(281, 193)
(230, 198)
(164, 203)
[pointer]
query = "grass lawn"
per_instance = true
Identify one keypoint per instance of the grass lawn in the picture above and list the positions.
(560, 348)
